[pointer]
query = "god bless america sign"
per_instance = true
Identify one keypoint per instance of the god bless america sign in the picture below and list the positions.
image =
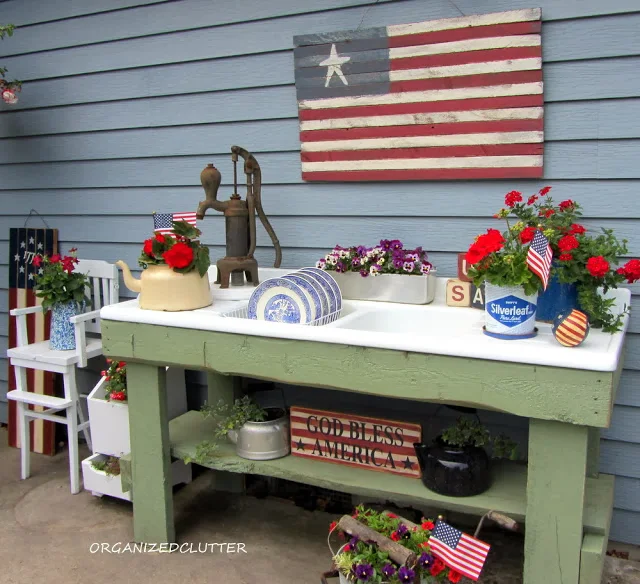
(359, 441)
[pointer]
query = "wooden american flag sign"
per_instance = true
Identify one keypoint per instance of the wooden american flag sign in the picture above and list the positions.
(459, 98)
(24, 244)
(356, 441)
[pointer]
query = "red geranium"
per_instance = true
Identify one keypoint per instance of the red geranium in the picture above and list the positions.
(485, 244)
(546, 213)
(454, 576)
(597, 266)
(527, 234)
(438, 566)
(148, 247)
(568, 204)
(544, 190)
(567, 243)
(565, 257)
(179, 256)
(160, 238)
(532, 199)
(577, 229)
(512, 198)
(631, 271)
(428, 525)
(55, 258)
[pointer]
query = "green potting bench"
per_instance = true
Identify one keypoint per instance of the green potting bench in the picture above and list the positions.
(565, 503)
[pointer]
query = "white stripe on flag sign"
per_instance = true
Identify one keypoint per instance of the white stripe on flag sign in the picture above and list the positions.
(457, 98)
(459, 551)
(163, 222)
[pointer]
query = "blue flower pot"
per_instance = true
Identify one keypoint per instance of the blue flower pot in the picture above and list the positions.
(556, 299)
(62, 332)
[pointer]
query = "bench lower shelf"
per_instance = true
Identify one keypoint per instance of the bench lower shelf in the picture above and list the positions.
(508, 493)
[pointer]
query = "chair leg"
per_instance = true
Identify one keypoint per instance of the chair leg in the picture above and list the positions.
(23, 425)
(25, 442)
(84, 424)
(72, 431)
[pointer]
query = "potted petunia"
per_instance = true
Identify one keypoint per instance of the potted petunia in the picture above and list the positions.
(175, 265)
(385, 272)
(585, 261)
(383, 548)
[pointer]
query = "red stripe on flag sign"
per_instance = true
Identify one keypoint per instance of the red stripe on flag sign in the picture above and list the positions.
(428, 174)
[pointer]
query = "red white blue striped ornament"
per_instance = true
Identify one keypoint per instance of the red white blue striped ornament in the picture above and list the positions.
(571, 329)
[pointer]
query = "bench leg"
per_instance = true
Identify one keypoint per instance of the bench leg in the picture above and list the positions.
(555, 502)
(150, 459)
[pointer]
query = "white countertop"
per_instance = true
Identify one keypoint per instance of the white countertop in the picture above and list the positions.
(451, 331)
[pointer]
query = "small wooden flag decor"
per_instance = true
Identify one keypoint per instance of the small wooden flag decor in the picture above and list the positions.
(358, 441)
(451, 99)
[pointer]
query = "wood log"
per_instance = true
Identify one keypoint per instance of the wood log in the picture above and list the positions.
(398, 553)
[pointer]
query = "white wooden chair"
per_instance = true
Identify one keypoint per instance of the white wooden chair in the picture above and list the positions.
(103, 290)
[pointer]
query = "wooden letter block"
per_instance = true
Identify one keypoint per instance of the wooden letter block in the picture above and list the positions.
(462, 268)
(458, 293)
(477, 296)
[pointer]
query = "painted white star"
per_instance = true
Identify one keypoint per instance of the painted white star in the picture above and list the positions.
(30, 276)
(40, 271)
(23, 244)
(31, 241)
(334, 64)
(22, 269)
(39, 246)
(16, 257)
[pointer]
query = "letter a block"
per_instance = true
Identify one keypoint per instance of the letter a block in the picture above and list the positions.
(477, 296)
(458, 293)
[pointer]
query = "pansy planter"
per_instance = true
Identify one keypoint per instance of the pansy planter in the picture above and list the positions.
(407, 289)
(109, 419)
(421, 580)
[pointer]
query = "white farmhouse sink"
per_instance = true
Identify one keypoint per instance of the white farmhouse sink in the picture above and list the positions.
(433, 328)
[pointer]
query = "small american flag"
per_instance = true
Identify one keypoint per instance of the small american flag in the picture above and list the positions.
(163, 222)
(459, 551)
(539, 257)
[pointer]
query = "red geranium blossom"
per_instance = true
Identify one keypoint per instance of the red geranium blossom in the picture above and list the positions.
(565, 257)
(438, 566)
(631, 271)
(527, 234)
(179, 256)
(577, 229)
(428, 525)
(567, 243)
(454, 576)
(160, 238)
(597, 266)
(37, 261)
(568, 204)
(512, 198)
(55, 258)
(395, 536)
(547, 213)
(148, 247)
(532, 199)
(487, 243)
(544, 191)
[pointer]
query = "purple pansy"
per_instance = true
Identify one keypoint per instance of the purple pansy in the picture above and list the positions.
(408, 266)
(364, 273)
(340, 267)
(364, 572)
(355, 262)
(388, 570)
(425, 560)
(406, 575)
(398, 263)
(425, 268)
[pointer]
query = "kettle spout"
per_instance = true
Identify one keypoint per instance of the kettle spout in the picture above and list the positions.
(210, 178)
(129, 281)
(421, 453)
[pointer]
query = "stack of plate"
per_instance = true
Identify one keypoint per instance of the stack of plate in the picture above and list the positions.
(307, 296)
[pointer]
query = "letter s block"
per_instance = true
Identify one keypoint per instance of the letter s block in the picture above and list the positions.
(458, 293)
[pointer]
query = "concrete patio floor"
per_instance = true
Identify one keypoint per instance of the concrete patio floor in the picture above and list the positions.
(46, 535)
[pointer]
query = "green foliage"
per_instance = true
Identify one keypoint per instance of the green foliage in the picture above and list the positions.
(470, 432)
(109, 465)
(15, 85)
(156, 247)
(59, 282)
(229, 417)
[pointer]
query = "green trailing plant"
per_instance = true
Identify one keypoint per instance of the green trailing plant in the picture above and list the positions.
(109, 465)
(115, 386)
(468, 432)
(229, 417)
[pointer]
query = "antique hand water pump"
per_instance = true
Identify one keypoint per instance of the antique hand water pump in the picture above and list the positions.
(240, 220)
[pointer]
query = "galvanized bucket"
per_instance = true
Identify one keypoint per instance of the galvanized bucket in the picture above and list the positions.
(263, 440)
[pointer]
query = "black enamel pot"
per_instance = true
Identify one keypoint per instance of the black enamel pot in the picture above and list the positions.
(451, 471)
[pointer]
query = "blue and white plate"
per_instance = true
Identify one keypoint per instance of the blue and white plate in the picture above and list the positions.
(310, 292)
(320, 289)
(333, 290)
(279, 300)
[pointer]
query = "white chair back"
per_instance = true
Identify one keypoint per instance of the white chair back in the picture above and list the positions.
(102, 288)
